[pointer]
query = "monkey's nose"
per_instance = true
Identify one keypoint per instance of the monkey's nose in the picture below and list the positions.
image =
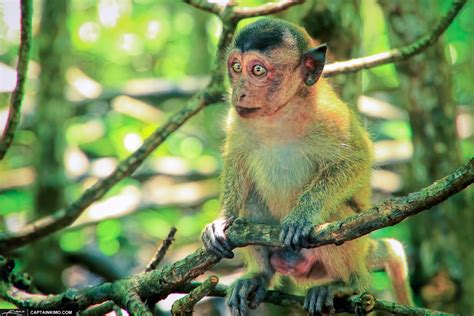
(242, 96)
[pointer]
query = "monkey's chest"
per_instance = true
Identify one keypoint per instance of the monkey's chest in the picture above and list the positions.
(280, 173)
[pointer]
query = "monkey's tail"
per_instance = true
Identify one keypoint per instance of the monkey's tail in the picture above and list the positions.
(389, 254)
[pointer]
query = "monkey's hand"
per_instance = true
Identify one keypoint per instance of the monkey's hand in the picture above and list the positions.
(321, 298)
(215, 240)
(295, 231)
(247, 292)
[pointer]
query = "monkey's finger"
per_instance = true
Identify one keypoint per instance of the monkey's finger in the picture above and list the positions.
(297, 240)
(283, 233)
(233, 300)
(221, 237)
(330, 302)
(310, 301)
(258, 297)
(217, 245)
(244, 291)
(213, 245)
(306, 233)
(323, 293)
(289, 237)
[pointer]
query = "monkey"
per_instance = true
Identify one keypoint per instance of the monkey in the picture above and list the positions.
(295, 155)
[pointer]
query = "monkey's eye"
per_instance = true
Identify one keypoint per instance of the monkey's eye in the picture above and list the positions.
(259, 70)
(237, 67)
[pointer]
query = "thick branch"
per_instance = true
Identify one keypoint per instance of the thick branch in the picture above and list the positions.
(21, 72)
(356, 304)
(167, 279)
(387, 213)
(185, 305)
(397, 54)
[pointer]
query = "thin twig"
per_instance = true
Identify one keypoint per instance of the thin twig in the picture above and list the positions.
(185, 305)
(397, 54)
(21, 71)
(161, 252)
(265, 9)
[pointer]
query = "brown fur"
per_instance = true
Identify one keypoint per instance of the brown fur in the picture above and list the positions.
(301, 151)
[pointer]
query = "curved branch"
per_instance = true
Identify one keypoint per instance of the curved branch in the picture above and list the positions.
(207, 6)
(162, 282)
(232, 14)
(396, 54)
(21, 70)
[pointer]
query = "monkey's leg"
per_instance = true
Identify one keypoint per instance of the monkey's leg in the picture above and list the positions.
(250, 290)
(388, 254)
(320, 299)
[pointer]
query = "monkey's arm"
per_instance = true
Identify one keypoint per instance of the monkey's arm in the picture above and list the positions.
(235, 184)
(334, 185)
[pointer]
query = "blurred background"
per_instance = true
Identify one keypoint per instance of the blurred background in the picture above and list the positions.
(104, 74)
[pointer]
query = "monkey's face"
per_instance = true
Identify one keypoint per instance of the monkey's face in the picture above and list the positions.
(263, 83)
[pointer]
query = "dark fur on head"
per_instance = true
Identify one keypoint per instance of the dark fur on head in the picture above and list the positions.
(268, 33)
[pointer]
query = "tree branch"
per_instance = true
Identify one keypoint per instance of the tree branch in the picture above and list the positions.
(162, 282)
(185, 305)
(357, 304)
(387, 213)
(21, 72)
(265, 9)
(397, 54)
(160, 254)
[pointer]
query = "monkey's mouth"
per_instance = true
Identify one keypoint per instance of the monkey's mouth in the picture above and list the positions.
(246, 112)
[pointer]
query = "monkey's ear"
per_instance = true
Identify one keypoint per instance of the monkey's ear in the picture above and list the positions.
(313, 64)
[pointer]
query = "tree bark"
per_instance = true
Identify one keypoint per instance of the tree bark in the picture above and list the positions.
(442, 239)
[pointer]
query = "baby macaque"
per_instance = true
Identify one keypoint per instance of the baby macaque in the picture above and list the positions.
(297, 156)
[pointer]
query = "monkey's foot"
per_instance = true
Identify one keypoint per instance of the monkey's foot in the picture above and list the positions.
(246, 293)
(215, 240)
(320, 299)
(295, 232)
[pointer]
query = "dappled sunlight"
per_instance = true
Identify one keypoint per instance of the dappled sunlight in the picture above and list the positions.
(132, 142)
(8, 75)
(85, 132)
(377, 108)
(19, 177)
(83, 86)
(75, 162)
(171, 165)
(386, 181)
(103, 167)
(161, 190)
(391, 151)
(118, 205)
(153, 29)
(89, 32)
(137, 109)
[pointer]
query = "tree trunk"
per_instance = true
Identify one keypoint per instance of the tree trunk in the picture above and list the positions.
(442, 274)
(47, 261)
